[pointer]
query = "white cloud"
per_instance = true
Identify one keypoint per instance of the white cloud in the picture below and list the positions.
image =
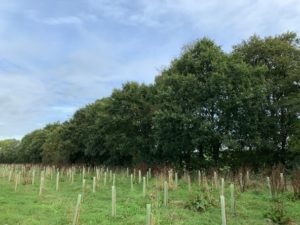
(63, 20)
(54, 61)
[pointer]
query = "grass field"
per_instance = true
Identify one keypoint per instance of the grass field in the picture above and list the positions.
(24, 206)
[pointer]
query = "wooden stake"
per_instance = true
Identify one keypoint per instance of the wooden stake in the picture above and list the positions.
(232, 199)
(113, 201)
(57, 181)
(144, 186)
(77, 211)
(223, 213)
(94, 184)
(166, 193)
(148, 214)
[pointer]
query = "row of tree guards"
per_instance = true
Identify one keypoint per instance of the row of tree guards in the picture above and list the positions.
(170, 181)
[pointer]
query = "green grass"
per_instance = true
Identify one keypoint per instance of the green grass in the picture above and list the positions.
(26, 207)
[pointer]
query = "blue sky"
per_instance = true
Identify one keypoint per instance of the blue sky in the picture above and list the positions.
(59, 55)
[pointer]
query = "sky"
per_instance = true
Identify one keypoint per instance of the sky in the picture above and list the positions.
(59, 55)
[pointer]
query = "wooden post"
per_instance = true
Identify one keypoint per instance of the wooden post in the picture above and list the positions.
(269, 186)
(166, 193)
(232, 199)
(247, 178)
(57, 181)
(17, 178)
(222, 186)
(131, 182)
(148, 214)
(189, 183)
(72, 176)
(140, 176)
(282, 183)
(10, 175)
(94, 184)
(176, 180)
(83, 186)
(216, 179)
(114, 179)
(105, 178)
(199, 178)
(113, 201)
(223, 213)
(42, 183)
(33, 177)
(83, 173)
(144, 186)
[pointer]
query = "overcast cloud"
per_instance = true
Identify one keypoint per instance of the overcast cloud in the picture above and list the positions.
(59, 55)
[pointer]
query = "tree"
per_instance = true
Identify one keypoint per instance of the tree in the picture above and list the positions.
(9, 150)
(281, 56)
(128, 133)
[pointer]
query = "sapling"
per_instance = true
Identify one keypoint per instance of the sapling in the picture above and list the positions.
(199, 178)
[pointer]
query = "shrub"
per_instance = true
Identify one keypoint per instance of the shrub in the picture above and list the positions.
(277, 214)
(199, 204)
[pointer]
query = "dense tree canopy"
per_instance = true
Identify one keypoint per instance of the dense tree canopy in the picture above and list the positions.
(208, 108)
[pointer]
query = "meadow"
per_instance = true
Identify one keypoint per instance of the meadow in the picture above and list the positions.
(37, 195)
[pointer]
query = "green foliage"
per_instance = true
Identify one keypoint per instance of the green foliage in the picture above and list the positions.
(8, 150)
(208, 108)
(277, 214)
(199, 204)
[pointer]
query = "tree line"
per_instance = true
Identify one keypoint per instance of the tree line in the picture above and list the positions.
(209, 108)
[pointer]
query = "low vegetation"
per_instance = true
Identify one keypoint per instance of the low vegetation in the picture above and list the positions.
(23, 202)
